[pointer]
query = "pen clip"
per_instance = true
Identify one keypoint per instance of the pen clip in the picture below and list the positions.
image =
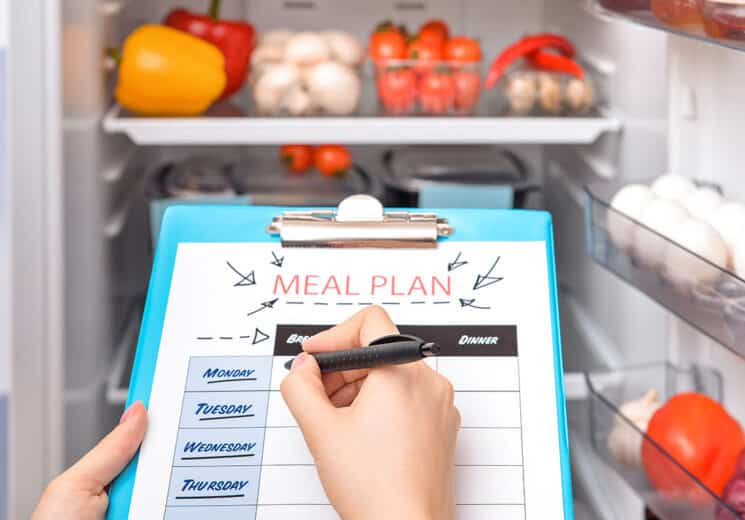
(394, 338)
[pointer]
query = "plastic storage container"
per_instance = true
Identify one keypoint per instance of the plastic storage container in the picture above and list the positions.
(530, 92)
(410, 87)
(725, 19)
(678, 13)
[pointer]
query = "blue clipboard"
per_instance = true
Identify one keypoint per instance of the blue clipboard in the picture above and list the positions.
(215, 224)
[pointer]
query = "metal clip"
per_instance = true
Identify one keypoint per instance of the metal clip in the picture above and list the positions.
(359, 221)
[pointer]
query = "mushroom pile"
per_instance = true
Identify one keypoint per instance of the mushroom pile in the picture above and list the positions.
(305, 73)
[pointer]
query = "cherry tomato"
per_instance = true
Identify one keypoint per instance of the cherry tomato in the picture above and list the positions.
(387, 44)
(462, 49)
(437, 92)
(424, 53)
(297, 158)
(467, 89)
(435, 31)
(699, 434)
(397, 89)
(332, 160)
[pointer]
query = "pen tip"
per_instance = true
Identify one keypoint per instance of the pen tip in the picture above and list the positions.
(288, 363)
(430, 349)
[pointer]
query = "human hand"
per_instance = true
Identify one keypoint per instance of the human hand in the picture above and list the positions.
(80, 492)
(383, 440)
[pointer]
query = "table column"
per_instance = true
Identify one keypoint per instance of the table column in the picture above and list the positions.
(220, 445)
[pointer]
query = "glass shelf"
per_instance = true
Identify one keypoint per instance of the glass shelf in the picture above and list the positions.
(608, 391)
(716, 307)
(646, 18)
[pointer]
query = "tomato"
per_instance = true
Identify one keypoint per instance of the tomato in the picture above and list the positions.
(434, 31)
(701, 436)
(467, 89)
(462, 49)
(437, 92)
(387, 44)
(397, 89)
(297, 158)
(332, 159)
(424, 53)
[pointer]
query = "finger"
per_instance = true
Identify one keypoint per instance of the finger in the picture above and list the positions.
(306, 397)
(346, 394)
(109, 457)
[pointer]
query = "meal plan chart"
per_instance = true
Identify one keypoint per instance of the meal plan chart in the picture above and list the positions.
(223, 444)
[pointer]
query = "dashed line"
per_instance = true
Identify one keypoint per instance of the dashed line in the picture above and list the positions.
(320, 303)
(204, 337)
(344, 303)
(417, 303)
(390, 303)
(364, 303)
(294, 303)
(245, 337)
(440, 303)
(226, 337)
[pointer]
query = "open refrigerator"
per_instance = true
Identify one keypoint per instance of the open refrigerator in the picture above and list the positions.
(80, 249)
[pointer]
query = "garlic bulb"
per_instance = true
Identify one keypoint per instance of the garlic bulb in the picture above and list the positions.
(625, 443)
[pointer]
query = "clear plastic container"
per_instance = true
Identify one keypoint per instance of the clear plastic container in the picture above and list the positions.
(623, 6)
(678, 13)
(725, 19)
(410, 87)
(530, 92)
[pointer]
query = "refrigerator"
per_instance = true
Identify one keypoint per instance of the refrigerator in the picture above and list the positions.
(76, 217)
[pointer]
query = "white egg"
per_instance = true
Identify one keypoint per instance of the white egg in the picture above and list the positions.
(697, 237)
(630, 201)
(673, 187)
(662, 216)
(703, 202)
(729, 221)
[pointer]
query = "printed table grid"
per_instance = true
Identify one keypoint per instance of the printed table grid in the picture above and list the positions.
(491, 421)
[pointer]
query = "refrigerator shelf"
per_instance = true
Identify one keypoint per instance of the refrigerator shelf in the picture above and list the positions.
(646, 18)
(713, 301)
(366, 128)
(607, 392)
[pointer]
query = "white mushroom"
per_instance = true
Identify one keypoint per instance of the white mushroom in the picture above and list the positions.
(263, 56)
(345, 48)
(307, 48)
(297, 101)
(272, 86)
(335, 88)
(275, 37)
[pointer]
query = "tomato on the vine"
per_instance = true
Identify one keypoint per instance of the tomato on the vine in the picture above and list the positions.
(332, 159)
(434, 31)
(424, 53)
(397, 89)
(297, 158)
(462, 49)
(387, 43)
(437, 92)
(467, 89)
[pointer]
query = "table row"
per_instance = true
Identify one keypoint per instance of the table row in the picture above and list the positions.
(267, 372)
(286, 446)
(267, 409)
(300, 485)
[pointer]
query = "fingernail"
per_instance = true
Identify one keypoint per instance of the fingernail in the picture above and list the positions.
(129, 412)
(299, 360)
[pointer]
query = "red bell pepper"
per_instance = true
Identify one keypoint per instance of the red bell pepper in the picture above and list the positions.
(235, 39)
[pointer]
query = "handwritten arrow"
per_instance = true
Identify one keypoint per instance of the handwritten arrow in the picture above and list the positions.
(485, 280)
(455, 264)
(470, 303)
(259, 337)
(277, 261)
(246, 279)
(264, 305)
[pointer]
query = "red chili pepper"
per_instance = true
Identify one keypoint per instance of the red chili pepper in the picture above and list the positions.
(235, 39)
(523, 47)
(555, 63)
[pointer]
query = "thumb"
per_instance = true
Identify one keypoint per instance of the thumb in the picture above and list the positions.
(108, 458)
(305, 395)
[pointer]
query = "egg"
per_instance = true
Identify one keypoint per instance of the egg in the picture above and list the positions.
(630, 201)
(698, 237)
(673, 187)
(729, 221)
(662, 216)
(703, 202)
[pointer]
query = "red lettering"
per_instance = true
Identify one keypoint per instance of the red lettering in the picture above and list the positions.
(293, 286)
(331, 284)
(348, 291)
(417, 285)
(436, 282)
(393, 287)
(311, 284)
(378, 281)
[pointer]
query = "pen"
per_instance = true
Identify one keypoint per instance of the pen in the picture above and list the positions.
(396, 349)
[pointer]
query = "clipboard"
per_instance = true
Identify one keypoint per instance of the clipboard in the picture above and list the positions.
(233, 292)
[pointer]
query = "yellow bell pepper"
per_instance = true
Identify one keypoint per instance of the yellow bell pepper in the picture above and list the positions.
(165, 72)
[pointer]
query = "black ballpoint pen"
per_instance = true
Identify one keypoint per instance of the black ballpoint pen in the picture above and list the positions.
(396, 349)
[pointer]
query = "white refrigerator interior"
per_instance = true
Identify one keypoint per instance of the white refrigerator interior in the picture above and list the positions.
(74, 218)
